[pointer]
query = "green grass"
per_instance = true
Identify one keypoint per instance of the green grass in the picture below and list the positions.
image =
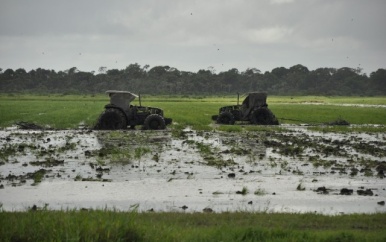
(328, 100)
(131, 226)
(69, 111)
(319, 114)
(56, 113)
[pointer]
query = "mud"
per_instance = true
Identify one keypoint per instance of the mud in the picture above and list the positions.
(293, 170)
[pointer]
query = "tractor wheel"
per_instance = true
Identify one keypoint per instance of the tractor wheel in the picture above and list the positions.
(154, 122)
(168, 121)
(263, 116)
(226, 118)
(111, 119)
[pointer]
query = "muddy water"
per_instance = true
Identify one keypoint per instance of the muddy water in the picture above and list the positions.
(295, 170)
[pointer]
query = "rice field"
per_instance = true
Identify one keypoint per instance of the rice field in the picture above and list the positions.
(63, 112)
(366, 114)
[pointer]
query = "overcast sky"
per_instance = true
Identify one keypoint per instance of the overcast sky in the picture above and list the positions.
(193, 34)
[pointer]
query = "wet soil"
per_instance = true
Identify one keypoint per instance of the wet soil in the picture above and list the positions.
(288, 170)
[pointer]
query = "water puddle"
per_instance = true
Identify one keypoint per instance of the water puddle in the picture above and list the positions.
(294, 170)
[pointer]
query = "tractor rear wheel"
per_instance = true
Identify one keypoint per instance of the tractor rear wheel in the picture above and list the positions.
(154, 122)
(226, 118)
(263, 116)
(111, 119)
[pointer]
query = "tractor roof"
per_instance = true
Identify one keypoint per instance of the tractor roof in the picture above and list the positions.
(120, 97)
(255, 99)
(259, 94)
(121, 92)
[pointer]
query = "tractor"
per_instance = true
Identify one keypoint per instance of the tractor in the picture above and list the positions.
(119, 114)
(254, 109)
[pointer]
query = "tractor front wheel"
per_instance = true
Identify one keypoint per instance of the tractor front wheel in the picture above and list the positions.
(226, 118)
(154, 122)
(111, 119)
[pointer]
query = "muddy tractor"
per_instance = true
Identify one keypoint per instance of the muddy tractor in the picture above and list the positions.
(254, 109)
(119, 114)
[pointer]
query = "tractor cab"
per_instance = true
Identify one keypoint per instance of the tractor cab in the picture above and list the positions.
(121, 99)
(252, 101)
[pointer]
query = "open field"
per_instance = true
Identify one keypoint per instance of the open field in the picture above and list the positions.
(70, 111)
(195, 181)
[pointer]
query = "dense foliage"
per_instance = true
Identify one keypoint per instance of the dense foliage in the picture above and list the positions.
(296, 80)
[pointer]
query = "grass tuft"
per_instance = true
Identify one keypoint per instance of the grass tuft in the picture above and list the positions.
(105, 225)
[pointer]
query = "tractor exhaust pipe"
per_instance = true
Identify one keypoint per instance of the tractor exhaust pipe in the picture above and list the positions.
(238, 98)
(139, 95)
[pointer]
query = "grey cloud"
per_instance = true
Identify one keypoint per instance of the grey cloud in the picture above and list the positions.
(192, 34)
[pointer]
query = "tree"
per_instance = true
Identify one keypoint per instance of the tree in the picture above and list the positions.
(378, 81)
(20, 72)
(102, 70)
(134, 71)
(71, 71)
(279, 72)
(346, 80)
(113, 72)
(158, 71)
(300, 69)
(9, 73)
(296, 78)
(230, 78)
(166, 80)
(203, 81)
(251, 71)
(250, 79)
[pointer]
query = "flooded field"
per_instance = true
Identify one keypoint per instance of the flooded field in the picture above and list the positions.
(292, 169)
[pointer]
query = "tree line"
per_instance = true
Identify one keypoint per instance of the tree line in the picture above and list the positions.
(296, 80)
